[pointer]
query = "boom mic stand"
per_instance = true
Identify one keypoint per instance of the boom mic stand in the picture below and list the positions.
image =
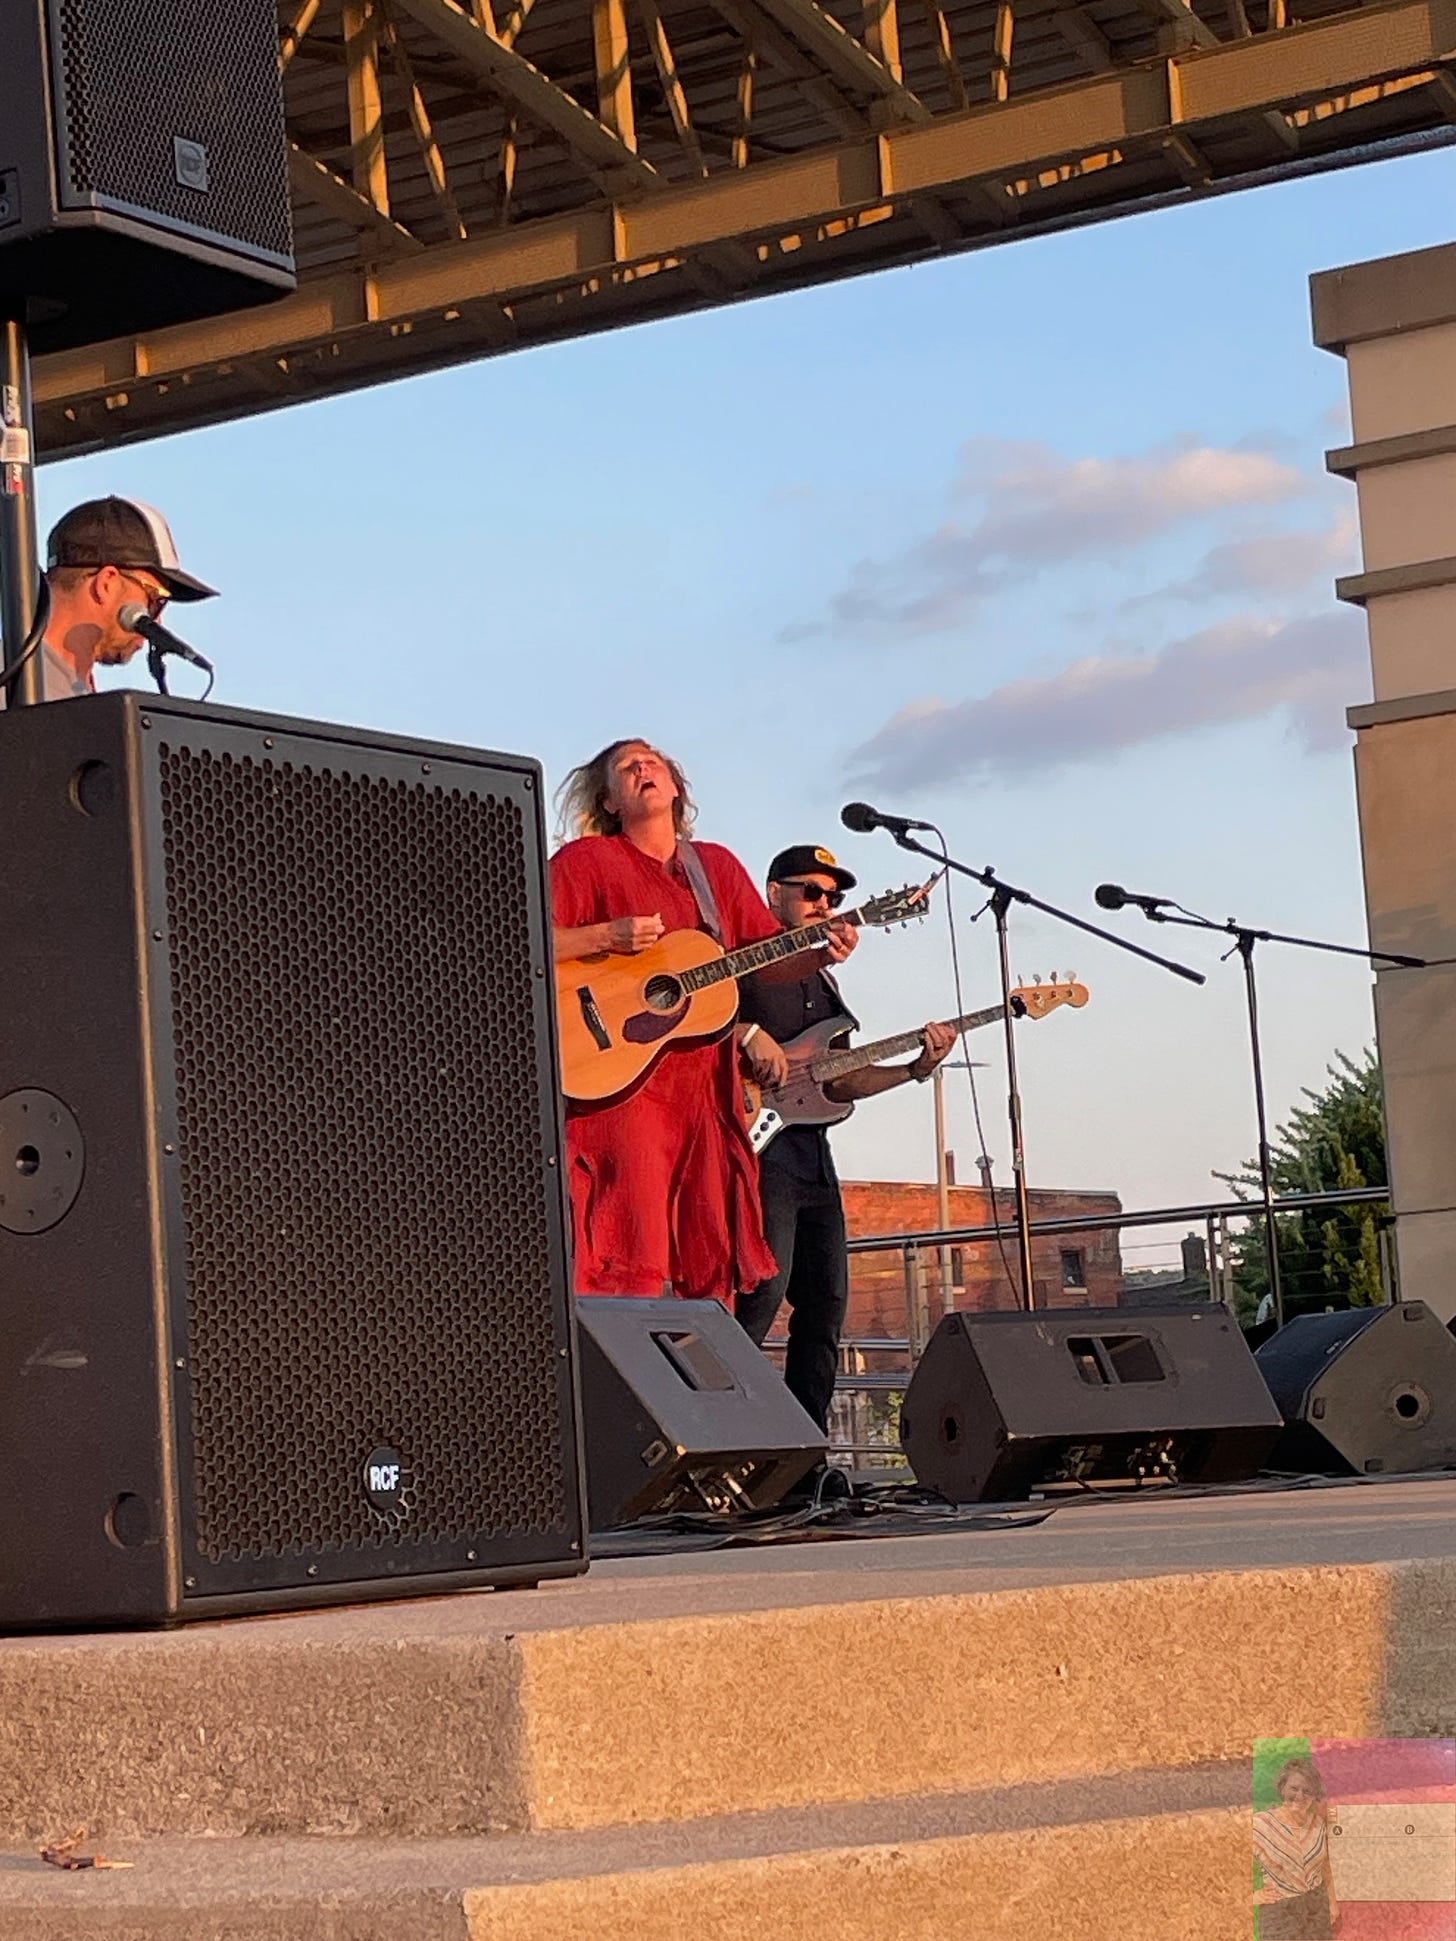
(1002, 896)
(1244, 940)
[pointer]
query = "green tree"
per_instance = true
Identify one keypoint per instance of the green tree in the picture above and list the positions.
(1335, 1140)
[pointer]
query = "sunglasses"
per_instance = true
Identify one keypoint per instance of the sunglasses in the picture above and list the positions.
(813, 892)
(157, 597)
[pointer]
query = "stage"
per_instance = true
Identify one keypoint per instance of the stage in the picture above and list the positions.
(979, 1724)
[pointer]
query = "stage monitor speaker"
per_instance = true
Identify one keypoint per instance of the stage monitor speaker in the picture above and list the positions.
(143, 163)
(284, 1310)
(1370, 1390)
(681, 1412)
(1004, 1404)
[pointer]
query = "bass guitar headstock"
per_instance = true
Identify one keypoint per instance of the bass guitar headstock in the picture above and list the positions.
(1037, 997)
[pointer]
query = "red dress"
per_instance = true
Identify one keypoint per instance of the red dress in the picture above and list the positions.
(664, 1183)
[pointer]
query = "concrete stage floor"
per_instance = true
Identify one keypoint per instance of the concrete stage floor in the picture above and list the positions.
(728, 1743)
(1085, 1538)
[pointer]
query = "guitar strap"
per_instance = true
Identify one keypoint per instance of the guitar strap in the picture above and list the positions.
(702, 889)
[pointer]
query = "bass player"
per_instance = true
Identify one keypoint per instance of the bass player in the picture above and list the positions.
(803, 1216)
(663, 1180)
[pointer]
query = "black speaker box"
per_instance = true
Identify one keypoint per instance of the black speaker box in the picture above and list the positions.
(143, 163)
(284, 1310)
(681, 1412)
(1004, 1404)
(1371, 1390)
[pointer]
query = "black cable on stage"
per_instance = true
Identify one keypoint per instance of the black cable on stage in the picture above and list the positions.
(960, 1011)
(34, 638)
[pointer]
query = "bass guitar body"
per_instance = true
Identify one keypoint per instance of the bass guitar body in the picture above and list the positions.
(615, 1014)
(801, 1099)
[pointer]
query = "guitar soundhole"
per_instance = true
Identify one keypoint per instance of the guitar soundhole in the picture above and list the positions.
(663, 993)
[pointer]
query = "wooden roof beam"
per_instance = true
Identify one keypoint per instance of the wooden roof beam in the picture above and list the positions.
(292, 37)
(536, 95)
(1188, 29)
(1083, 33)
(671, 84)
(312, 179)
(1179, 15)
(362, 30)
(847, 61)
(759, 33)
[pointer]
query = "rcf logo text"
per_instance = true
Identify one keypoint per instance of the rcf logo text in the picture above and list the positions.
(384, 1479)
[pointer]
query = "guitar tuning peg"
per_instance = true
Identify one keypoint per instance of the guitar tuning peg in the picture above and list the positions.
(1037, 978)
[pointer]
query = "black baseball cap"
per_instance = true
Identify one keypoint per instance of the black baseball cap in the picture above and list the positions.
(804, 859)
(123, 532)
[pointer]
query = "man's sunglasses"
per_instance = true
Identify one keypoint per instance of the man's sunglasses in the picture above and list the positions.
(813, 892)
(157, 597)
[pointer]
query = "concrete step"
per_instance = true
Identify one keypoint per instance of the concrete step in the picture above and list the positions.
(681, 1689)
(1164, 1854)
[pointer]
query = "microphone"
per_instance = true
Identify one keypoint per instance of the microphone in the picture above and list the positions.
(1112, 896)
(860, 817)
(137, 620)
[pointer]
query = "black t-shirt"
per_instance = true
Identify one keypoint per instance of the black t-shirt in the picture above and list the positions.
(784, 1010)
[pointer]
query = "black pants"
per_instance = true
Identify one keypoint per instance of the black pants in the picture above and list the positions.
(1305, 1917)
(803, 1222)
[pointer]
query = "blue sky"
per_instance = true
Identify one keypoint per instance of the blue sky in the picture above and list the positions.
(1036, 543)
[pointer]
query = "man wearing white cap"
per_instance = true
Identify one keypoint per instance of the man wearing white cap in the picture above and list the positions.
(102, 556)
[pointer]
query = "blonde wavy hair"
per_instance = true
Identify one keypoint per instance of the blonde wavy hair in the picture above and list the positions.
(1305, 1768)
(581, 800)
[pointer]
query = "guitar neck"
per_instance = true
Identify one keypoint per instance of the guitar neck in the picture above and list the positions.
(835, 1064)
(772, 950)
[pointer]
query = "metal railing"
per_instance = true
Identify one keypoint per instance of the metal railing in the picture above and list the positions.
(875, 1369)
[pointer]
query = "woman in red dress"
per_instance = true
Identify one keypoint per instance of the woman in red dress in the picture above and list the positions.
(664, 1183)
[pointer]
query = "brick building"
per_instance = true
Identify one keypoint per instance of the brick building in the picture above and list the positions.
(1072, 1269)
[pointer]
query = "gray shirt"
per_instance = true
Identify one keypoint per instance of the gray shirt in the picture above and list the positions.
(59, 680)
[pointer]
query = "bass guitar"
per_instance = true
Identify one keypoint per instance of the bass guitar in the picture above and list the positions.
(802, 1099)
(617, 1014)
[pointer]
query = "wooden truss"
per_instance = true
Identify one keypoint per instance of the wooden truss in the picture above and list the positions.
(467, 180)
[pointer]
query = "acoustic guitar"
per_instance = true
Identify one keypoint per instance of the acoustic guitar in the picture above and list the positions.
(802, 1099)
(617, 1014)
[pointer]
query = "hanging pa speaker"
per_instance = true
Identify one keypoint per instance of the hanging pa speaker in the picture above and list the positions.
(1003, 1404)
(680, 1411)
(283, 1289)
(1370, 1390)
(143, 163)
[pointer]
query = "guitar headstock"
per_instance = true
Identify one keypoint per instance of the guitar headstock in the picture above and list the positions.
(905, 905)
(1037, 998)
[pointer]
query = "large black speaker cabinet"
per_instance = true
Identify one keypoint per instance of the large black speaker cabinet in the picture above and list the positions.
(143, 163)
(681, 1412)
(284, 1310)
(1371, 1390)
(1003, 1404)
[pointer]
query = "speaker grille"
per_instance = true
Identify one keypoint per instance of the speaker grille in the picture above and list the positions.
(363, 1167)
(125, 97)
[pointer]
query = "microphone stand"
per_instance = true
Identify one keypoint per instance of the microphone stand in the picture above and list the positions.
(1002, 896)
(1244, 940)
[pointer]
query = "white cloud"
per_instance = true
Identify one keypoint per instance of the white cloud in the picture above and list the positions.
(1310, 669)
(1035, 508)
(1266, 564)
